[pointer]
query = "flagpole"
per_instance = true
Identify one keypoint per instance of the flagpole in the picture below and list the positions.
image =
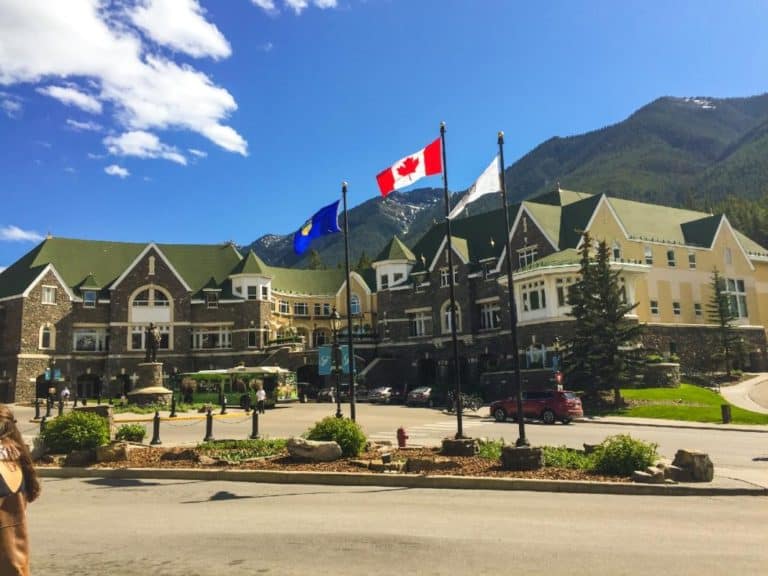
(521, 440)
(456, 371)
(350, 346)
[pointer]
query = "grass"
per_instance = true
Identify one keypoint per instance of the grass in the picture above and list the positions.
(554, 456)
(687, 402)
(235, 451)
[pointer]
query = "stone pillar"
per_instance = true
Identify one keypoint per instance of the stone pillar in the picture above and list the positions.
(149, 387)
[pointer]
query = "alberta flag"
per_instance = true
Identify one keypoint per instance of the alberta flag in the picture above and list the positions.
(322, 223)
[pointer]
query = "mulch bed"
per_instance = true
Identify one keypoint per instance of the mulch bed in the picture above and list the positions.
(159, 457)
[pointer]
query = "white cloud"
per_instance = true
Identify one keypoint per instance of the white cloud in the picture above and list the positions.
(16, 234)
(87, 40)
(180, 25)
(10, 105)
(70, 170)
(87, 126)
(267, 47)
(71, 96)
(93, 156)
(198, 153)
(267, 5)
(144, 145)
(115, 170)
(298, 6)
(323, 4)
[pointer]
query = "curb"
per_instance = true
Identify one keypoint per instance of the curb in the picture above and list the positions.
(669, 425)
(400, 481)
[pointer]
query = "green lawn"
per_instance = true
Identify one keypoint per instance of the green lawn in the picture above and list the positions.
(687, 402)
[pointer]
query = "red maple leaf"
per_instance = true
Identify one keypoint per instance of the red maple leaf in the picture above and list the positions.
(408, 166)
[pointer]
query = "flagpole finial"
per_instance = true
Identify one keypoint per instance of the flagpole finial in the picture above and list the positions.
(501, 136)
(344, 184)
(442, 126)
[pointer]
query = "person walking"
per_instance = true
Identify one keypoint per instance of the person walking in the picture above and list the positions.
(261, 398)
(18, 486)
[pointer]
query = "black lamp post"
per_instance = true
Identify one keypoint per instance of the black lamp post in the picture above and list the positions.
(335, 320)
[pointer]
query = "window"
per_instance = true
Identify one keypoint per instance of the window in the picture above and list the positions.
(284, 307)
(301, 309)
(562, 286)
(671, 259)
(446, 317)
(534, 296)
(89, 299)
(320, 337)
(526, 256)
(616, 251)
(396, 277)
(697, 308)
(253, 339)
(444, 278)
(648, 255)
(212, 299)
(151, 297)
(253, 292)
(419, 324)
(355, 305)
(151, 265)
(655, 307)
(138, 337)
(676, 308)
(490, 316)
(49, 294)
(737, 297)
(322, 309)
(692, 260)
(384, 281)
(47, 337)
(212, 337)
(728, 256)
(265, 292)
(90, 340)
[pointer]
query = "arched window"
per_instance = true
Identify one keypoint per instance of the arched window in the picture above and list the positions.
(445, 316)
(47, 337)
(355, 305)
(152, 297)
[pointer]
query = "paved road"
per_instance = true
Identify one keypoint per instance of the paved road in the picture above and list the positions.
(165, 528)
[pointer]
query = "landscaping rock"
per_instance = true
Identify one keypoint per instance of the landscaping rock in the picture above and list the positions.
(112, 452)
(314, 450)
(696, 463)
(207, 460)
(677, 474)
(460, 446)
(521, 458)
(647, 477)
(80, 458)
(424, 465)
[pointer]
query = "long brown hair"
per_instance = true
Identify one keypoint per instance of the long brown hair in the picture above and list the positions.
(10, 437)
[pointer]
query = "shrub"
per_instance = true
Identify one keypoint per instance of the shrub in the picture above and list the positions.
(654, 359)
(238, 450)
(563, 457)
(77, 430)
(490, 449)
(346, 433)
(131, 433)
(621, 455)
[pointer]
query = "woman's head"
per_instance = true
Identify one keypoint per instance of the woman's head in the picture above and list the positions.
(11, 436)
(8, 429)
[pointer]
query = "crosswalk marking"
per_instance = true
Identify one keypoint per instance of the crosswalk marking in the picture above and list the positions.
(434, 430)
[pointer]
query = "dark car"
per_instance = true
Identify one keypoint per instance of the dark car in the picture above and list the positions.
(421, 396)
(546, 405)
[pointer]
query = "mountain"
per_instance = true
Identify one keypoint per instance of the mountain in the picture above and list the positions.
(699, 152)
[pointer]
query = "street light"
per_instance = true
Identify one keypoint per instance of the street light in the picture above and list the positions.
(335, 320)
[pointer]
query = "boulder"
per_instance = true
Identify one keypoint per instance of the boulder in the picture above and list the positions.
(423, 465)
(114, 452)
(80, 458)
(460, 446)
(696, 463)
(315, 450)
(521, 458)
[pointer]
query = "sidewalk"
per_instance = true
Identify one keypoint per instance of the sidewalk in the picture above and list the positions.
(741, 394)
(662, 423)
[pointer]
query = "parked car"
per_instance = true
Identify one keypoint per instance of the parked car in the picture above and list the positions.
(421, 396)
(547, 405)
(385, 395)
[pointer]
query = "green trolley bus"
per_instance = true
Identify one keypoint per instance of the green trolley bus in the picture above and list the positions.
(240, 381)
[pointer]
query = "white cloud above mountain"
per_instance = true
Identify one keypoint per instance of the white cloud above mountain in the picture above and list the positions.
(95, 56)
(142, 145)
(13, 233)
(115, 170)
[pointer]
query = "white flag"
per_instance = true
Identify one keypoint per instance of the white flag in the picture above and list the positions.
(486, 184)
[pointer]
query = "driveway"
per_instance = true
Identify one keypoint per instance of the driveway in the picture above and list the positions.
(751, 394)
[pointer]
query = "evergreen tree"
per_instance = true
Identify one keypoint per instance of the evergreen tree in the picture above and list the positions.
(720, 312)
(599, 353)
(315, 262)
(363, 263)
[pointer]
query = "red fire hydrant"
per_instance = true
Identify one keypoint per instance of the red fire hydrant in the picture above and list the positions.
(401, 437)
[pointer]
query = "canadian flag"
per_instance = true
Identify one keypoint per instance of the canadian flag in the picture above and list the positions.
(406, 171)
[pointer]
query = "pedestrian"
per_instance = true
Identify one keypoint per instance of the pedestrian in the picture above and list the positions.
(261, 398)
(18, 486)
(65, 394)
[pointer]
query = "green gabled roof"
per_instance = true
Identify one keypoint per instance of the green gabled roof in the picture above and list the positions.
(197, 263)
(303, 281)
(548, 218)
(574, 220)
(460, 246)
(750, 245)
(395, 250)
(90, 283)
(565, 257)
(701, 232)
(251, 264)
(559, 197)
(654, 222)
(211, 285)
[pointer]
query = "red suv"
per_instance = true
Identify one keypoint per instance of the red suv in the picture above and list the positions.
(548, 405)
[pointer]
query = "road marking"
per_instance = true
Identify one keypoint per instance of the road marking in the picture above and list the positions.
(429, 431)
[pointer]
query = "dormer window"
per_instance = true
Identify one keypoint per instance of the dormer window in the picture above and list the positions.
(49, 294)
(616, 251)
(526, 256)
(89, 299)
(384, 281)
(253, 292)
(212, 299)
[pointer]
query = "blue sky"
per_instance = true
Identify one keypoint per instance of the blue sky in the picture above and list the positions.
(199, 122)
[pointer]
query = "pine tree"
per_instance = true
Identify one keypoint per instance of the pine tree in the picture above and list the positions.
(599, 354)
(363, 263)
(721, 313)
(315, 262)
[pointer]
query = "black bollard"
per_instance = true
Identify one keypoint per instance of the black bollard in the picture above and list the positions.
(74, 401)
(61, 407)
(173, 406)
(42, 424)
(37, 408)
(111, 401)
(156, 430)
(98, 399)
(208, 427)
(48, 406)
(224, 405)
(255, 425)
